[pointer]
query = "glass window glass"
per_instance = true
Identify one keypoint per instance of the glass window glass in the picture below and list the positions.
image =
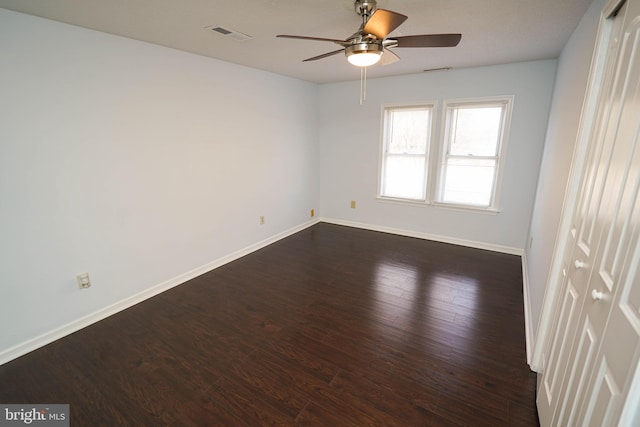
(475, 131)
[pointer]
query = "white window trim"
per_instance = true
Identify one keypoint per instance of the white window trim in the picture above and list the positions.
(493, 207)
(433, 105)
(436, 152)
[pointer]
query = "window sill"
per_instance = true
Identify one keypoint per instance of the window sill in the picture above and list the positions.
(446, 206)
(400, 201)
(468, 208)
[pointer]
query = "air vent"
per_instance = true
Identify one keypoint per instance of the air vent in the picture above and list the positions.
(437, 69)
(236, 35)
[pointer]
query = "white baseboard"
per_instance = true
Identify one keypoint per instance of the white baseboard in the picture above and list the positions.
(427, 236)
(528, 332)
(74, 326)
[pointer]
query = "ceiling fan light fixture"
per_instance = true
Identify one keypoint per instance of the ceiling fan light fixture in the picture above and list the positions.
(363, 54)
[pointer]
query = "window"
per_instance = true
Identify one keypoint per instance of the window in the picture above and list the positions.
(472, 147)
(405, 152)
(471, 144)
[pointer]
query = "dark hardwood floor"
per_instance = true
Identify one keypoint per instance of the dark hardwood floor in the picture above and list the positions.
(333, 326)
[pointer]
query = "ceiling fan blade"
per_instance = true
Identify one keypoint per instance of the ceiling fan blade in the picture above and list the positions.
(320, 39)
(429, 40)
(388, 57)
(383, 22)
(324, 55)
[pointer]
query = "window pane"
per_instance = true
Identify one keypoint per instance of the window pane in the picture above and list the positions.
(406, 144)
(409, 131)
(404, 177)
(469, 181)
(475, 131)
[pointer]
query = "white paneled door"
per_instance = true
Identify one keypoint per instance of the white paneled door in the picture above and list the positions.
(591, 374)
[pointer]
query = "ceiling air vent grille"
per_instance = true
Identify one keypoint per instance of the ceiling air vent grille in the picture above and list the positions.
(236, 35)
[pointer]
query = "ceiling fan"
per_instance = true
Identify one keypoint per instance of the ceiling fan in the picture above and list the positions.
(370, 45)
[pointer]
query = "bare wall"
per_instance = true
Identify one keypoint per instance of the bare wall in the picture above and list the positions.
(135, 163)
(350, 144)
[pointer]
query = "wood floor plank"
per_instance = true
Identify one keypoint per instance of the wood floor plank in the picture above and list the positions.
(330, 326)
(282, 387)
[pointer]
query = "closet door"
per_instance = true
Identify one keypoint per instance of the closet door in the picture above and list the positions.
(597, 319)
(613, 304)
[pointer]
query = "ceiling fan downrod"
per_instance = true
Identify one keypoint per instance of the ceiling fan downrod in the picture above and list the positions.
(365, 8)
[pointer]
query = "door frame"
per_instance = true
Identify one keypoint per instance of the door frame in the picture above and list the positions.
(578, 164)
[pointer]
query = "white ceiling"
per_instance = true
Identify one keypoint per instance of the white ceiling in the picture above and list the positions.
(493, 31)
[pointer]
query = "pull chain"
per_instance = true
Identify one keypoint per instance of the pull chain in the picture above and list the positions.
(363, 84)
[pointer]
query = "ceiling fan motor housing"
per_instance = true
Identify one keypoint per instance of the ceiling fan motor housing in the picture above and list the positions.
(364, 47)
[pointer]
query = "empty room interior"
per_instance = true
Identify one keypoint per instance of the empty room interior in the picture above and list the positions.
(212, 214)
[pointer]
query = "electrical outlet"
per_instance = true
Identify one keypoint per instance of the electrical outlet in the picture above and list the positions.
(84, 281)
(261, 219)
(353, 204)
(313, 213)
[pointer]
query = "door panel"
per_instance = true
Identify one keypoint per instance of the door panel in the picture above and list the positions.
(561, 374)
(582, 363)
(611, 388)
(604, 398)
(553, 375)
(594, 379)
(616, 316)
